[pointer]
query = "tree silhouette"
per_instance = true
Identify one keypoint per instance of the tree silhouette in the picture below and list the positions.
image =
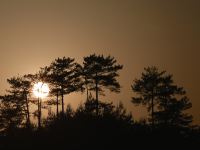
(11, 112)
(52, 77)
(15, 105)
(85, 83)
(147, 89)
(64, 77)
(22, 87)
(83, 128)
(164, 99)
(101, 72)
(173, 102)
(41, 76)
(26, 87)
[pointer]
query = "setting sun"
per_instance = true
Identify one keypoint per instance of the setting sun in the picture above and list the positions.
(41, 90)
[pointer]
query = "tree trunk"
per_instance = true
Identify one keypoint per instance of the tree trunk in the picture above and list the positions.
(57, 103)
(87, 93)
(39, 113)
(62, 101)
(166, 115)
(28, 112)
(86, 84)
(97, 96)
(152, 110)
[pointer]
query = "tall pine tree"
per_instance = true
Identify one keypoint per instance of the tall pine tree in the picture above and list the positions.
(101, 72)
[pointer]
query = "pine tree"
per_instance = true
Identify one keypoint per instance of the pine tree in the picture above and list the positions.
(166, 101)
(173, 102)
(15, 104)
(147, 89)
(101, 72)
(64, 77)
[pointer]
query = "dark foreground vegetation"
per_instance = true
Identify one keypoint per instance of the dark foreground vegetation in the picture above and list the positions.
(95, 125)
(113, 128)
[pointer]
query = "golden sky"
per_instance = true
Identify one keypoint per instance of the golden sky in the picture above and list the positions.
(139, 33)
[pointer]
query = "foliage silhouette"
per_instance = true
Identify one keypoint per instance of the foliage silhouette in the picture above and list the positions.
(101, 72)
(15, 106)
(147, 88)
(157, 90)
(112, 129)
(64, 77)
(95, 124)
(33, 79)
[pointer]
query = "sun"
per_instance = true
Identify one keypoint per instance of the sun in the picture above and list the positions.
(41, 90)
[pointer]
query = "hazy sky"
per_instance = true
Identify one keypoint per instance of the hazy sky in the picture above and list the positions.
(139, 33)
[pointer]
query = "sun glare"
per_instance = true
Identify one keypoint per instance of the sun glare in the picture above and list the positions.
(41, 90)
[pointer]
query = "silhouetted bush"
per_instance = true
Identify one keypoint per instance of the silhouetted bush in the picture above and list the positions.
(112, 128)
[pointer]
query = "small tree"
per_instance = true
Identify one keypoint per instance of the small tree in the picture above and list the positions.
(173, 102)
(21, 87)
(11, 113)
(101, 72)
(15, 105)
(163, 98)
(147, 89)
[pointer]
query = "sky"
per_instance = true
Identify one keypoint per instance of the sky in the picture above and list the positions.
(138, 33)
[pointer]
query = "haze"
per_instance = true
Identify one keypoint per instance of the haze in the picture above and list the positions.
(137, 33)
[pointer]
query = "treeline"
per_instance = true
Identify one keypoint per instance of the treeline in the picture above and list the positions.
(64, 76)
(94, 121)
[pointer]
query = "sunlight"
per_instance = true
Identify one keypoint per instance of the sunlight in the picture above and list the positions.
(41, 90)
